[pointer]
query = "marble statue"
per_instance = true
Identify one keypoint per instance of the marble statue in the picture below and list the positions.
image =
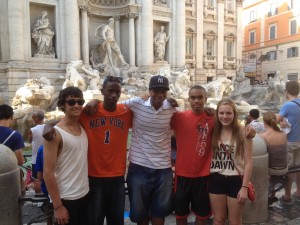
(182, 83)
(269, 96)
(218, 88)
(109, 48)
(93, 79)
(160, 41)
(42, 35)
(165, 71)
(84, 78)
(74, 75)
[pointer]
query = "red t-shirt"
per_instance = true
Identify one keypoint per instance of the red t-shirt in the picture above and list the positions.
(193, 138)
(107, 135)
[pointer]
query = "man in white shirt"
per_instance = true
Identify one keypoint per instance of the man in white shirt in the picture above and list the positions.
(150, 175)
(35, 137)
(252, 119)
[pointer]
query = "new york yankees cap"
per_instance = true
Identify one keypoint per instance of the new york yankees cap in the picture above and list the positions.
(159, 81)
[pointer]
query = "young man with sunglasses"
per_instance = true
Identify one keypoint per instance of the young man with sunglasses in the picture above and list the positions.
(65, 161)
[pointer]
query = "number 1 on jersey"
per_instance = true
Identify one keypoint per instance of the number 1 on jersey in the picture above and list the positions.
(107, 137)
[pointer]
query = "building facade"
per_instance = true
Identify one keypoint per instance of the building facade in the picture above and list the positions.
(205, 36)
(271, 39)
(214, 29)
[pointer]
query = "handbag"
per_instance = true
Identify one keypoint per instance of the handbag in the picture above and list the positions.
(251, 192)
(251, 189)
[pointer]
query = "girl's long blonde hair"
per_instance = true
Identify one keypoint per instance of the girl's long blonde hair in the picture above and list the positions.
(236, 136)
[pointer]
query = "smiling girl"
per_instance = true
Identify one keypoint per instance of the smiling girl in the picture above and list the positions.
(231, 151)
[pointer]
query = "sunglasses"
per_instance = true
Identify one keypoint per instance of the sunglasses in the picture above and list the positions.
(72, 102)
(113, 79)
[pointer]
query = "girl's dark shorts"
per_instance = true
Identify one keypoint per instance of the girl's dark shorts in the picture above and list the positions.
(224, 185)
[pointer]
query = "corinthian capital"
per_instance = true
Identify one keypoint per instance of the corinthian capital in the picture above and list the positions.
(117, 18)
(131, 15)
(83, 6)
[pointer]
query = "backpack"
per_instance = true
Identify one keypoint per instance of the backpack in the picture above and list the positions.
(7, 139)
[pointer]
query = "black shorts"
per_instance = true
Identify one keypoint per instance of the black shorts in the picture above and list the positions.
(224, 185)
(192, 192)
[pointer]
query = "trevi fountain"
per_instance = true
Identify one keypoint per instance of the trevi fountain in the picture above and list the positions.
(58, 62)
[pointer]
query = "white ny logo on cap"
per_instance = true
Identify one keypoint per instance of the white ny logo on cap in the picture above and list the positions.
(160, 80)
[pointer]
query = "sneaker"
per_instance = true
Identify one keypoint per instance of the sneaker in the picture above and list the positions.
(296, 198)
(286, 201)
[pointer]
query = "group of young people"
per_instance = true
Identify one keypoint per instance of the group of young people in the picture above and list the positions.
(85, 158)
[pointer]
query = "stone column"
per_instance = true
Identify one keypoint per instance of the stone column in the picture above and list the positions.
(220, 45)
(61, 45)
(117, 30)
(199, 37)
(72, 34)
(145, 46)
(263, 17)
(84, 34)
(239, 36)
(257, 211)
(131, 17)
(180, 33)
(16, 30)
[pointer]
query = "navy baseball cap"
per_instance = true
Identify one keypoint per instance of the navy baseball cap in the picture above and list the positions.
(159, 81)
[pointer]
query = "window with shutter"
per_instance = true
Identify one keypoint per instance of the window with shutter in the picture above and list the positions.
(293, 27)
(272, 30)
(292, 52)
(252, 37)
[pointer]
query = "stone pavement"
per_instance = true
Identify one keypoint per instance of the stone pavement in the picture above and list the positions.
(278, 215)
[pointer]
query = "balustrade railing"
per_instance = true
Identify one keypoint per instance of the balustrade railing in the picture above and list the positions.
(110, 2)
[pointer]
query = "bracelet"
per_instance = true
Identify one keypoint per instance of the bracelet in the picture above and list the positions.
(244, 186)
(58, 207)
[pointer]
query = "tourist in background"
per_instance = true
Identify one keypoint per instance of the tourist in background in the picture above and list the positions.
(291, 111)
(35, 137)
(252, 119)
(39, 184)
(232, 156)
(12, 139)
(65, 161)
(276, 141)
